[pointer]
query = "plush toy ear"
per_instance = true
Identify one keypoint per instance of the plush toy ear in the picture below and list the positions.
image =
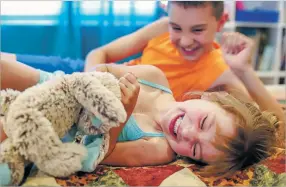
(109, 81)
(7, 97)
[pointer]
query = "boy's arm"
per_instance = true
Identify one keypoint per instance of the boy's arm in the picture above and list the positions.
(140, 153)
(237, 50)
(230, 82)
(127, 45)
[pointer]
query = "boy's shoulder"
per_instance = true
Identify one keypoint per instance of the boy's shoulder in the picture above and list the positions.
(162, 38)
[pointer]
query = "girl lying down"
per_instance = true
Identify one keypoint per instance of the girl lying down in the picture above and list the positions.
(224, 131)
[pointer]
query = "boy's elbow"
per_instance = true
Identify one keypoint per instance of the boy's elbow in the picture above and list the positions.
(95, 52)
(94, 57)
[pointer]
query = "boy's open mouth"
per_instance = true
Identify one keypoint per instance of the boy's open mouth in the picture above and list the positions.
(190, 51)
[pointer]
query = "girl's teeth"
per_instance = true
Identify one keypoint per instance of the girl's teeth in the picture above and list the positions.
(178, 122)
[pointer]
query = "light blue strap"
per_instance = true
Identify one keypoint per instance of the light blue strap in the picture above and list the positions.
(45, 76)
(154, 85)
(5, 175)
(151, 134)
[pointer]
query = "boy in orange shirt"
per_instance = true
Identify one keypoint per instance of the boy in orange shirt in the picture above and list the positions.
(181, 45)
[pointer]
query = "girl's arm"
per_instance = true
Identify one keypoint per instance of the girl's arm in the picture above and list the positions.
(17, 76)
(154, 151)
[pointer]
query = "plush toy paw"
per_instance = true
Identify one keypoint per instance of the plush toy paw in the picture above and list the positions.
(64, 160)
(93, 91)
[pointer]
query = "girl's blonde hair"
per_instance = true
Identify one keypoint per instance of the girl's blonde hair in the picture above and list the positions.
(255, 133)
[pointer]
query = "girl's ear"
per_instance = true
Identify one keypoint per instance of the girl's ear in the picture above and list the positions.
(211, 96)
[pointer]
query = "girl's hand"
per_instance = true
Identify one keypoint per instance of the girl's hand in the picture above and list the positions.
(129, 91)
(237, 51)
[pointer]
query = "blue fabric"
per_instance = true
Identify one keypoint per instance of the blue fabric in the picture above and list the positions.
(92, 144)
(96, 122)
(68, 34)
(52, 63)
(5, 174)
(70, 135)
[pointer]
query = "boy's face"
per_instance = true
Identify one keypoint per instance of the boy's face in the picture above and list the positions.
(193, 29)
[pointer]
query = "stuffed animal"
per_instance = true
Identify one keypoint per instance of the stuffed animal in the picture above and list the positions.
(35, 121)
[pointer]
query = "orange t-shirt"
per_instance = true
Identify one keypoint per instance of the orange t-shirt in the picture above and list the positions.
(183, 75)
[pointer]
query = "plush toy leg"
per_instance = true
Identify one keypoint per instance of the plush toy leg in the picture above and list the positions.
(98, 100)
(11, 165)
(37, 141)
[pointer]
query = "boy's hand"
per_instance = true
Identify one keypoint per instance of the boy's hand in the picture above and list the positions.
(237, 51)
(129, 91)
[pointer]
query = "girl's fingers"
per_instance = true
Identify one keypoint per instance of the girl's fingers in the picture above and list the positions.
(124, 90)
(126, 82)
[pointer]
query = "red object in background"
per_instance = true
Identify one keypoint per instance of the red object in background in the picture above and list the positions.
(239, 5)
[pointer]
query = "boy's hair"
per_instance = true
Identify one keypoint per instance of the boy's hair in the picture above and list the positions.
(255, 135)
(218, 6)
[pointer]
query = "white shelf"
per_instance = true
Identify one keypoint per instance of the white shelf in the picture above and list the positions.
(256, 25)
(282, 73)
(232, 24)
(270, 74)
(275, 38)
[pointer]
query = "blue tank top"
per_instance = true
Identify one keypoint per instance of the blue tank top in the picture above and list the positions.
(131, 130)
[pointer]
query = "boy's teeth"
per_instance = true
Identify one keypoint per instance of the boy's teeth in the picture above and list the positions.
(178, 122)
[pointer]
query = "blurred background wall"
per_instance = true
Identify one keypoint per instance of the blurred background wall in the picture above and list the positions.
(73, 28)
(70, 28)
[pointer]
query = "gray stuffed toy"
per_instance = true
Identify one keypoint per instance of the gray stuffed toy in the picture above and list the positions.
(35, 121)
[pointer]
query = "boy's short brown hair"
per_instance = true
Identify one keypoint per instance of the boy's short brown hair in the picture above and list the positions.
(218, 6)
